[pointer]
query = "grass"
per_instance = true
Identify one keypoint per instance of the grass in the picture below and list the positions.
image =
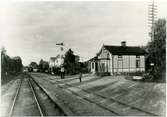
(8, 78)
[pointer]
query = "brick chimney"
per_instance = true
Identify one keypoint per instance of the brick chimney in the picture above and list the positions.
(123, 43)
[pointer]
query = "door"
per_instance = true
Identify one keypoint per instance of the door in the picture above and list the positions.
(96, 67)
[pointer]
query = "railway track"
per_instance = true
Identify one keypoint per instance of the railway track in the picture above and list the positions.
(51, 107)
(28, 101)
(25, 91)
(15, 97)
(121, 104)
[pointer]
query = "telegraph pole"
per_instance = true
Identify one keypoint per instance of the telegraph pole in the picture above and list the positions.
(152, 15)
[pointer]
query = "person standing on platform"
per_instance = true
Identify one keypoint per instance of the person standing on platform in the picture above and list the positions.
(80, 76)
(62, 72)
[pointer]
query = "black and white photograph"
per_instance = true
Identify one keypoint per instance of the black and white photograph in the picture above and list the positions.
(83, 58)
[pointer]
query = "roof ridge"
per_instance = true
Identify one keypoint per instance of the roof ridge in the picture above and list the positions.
(120, 46)
(127, 50)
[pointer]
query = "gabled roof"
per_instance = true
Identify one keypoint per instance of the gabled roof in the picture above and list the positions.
(45, 62)
(93, 59)
(125, 50)
(54, 58)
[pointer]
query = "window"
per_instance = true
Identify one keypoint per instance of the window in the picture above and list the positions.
(103, 67)
(120, 58)
(108, 55)
(137, 63)
(137, 57)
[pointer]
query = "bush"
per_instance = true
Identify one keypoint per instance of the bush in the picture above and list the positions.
(156, 74)
(148, 77)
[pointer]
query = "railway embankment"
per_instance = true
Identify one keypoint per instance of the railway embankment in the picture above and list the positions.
(111, 95)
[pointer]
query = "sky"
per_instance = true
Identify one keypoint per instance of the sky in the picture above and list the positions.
(32, 29)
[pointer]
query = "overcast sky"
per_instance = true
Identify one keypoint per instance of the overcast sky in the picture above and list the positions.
(32, 29)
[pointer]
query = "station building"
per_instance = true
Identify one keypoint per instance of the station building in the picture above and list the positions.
(118, 59)
(56, 62)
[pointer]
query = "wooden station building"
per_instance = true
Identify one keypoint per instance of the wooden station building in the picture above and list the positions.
(118, 59)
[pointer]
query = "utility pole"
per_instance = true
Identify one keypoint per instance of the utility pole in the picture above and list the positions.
(152, 15)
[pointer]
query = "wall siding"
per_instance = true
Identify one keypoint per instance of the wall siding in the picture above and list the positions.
(115, 62)
(132, 61)
(102, 61)
(125, 62)
(128, 64)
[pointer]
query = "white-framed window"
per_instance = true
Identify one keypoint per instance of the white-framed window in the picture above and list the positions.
(120, 57)
(103, 67)
(108, 55)
(137, 63)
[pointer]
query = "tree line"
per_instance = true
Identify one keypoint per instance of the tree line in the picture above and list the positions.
(157, 52)
(43, 66)
(10, 65)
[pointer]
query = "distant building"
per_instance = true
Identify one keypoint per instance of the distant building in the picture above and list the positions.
(56, 62)
(118, 59)
(52, 62)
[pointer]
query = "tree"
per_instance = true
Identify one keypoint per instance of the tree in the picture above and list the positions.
(3, 51)
(157, 50)
(69, 61)
(71, 64)
(69, 57)
(5, 63)
(34, 65)
(17, 64)
(9, 65)
(43, 65)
